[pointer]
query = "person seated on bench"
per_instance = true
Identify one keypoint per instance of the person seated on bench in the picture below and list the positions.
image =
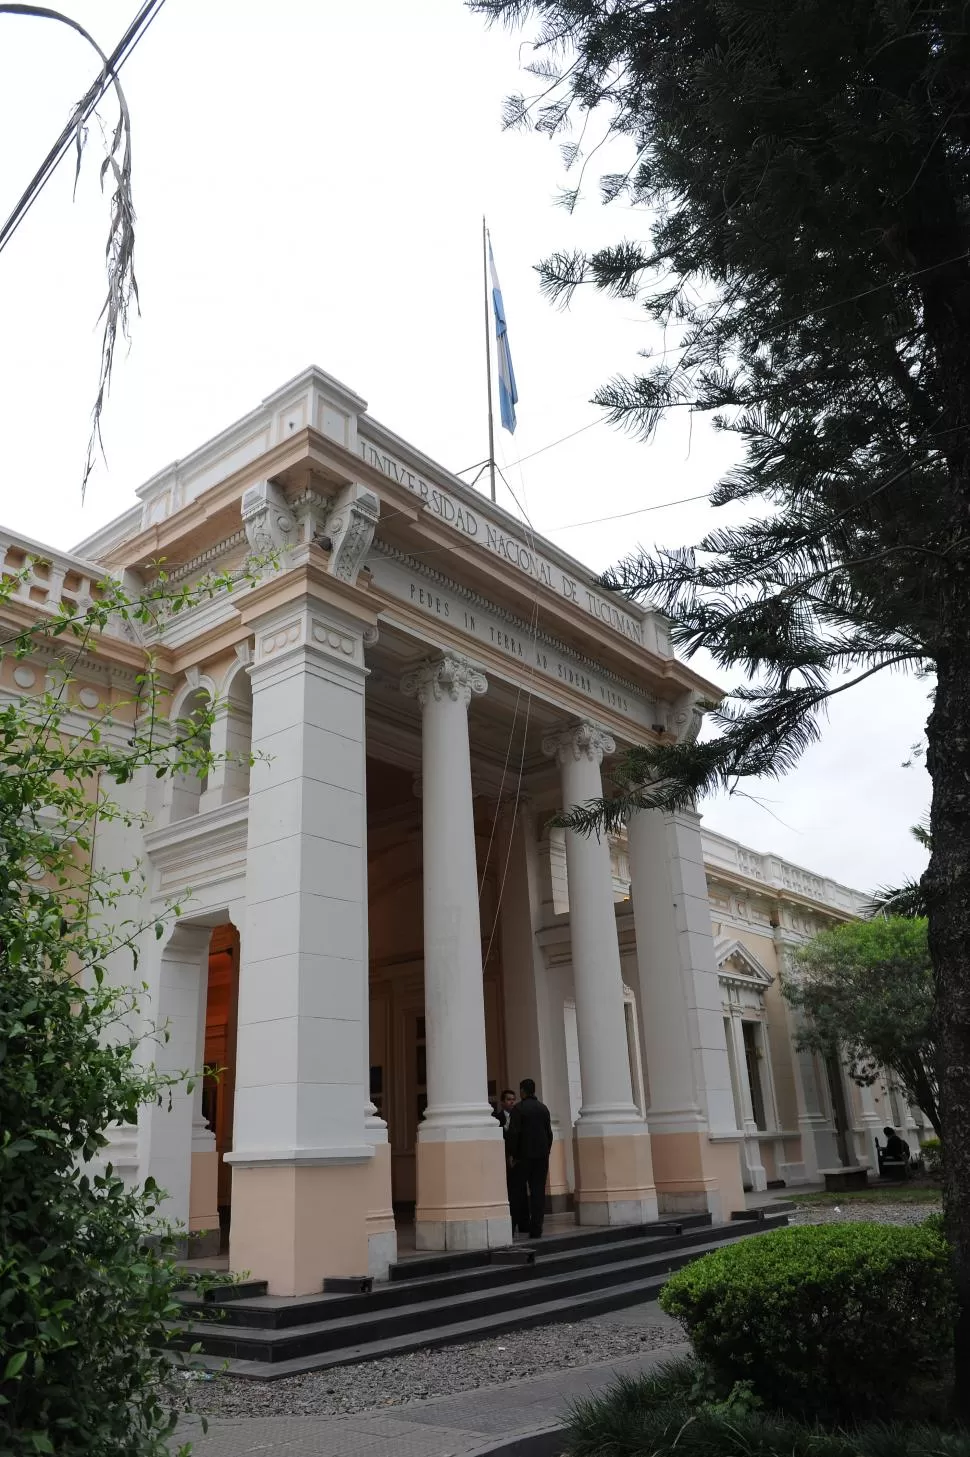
(896, 1150)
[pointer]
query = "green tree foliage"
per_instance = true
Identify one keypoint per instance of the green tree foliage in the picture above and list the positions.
(86, 1285)
(909, 898)
(866, 989)
(804, 175)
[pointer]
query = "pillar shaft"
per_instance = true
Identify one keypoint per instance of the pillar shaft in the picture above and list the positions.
(179, 1009)
(614, 1176)
(301, 1157)
(691, 1097)
(461, 1200)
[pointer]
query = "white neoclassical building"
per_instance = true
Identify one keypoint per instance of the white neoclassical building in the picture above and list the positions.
(377, 929)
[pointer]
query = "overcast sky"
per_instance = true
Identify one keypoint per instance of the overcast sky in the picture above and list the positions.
(309, 182)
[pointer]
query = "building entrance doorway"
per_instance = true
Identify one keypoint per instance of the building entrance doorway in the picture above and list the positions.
(219, 1083)
(840, 1112)
(399, 1065)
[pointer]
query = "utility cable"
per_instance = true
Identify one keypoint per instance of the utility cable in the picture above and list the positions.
(108, 77)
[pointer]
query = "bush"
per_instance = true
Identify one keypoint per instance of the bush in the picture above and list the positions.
(635, 1419)
(832, 1321)
(932, 1151)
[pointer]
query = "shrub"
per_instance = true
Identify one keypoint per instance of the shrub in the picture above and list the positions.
(834, 1321)
(87, 1283)
(932, 1151)
(629, 1420)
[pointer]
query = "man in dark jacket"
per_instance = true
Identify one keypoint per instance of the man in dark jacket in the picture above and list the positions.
(527, 1145)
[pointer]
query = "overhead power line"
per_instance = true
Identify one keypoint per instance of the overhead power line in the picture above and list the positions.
(84, 108)
(621, 515)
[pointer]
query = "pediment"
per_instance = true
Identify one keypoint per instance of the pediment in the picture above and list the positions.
(737, 962)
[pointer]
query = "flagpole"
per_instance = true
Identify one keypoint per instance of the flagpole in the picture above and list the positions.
(488, 361)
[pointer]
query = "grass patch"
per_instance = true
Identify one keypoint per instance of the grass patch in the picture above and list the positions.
(902, 1195)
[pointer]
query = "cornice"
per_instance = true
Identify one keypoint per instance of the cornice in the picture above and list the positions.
(167, 844)
(206, 558)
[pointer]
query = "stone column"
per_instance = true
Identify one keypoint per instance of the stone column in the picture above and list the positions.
(535, 1034)
(302, 1160)
(691, 1099)
(614, 1175)
(381, 1227)
(204, 1187)
(871, 1124)
(461, 1194)
(168, 1126)
(228, 778)
(757, 1177)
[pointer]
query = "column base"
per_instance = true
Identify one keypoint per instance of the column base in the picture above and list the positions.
(757, 1180)
(204, 1196)
(614, 1174)
(381, 1229)
(293, 1225)
(462, 1201)
(557, 1189)
(696, 1176)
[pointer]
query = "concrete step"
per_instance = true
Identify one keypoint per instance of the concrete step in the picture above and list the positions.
(558, 1257)
(337, 1330)
(419, 1267)
(540, 1312)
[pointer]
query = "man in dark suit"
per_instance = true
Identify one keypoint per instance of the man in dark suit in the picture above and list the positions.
(528, 1142)
(502, 1110)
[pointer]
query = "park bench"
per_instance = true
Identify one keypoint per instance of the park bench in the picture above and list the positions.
(850, 1176)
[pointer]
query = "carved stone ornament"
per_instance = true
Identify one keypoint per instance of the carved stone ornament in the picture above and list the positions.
(581, 740)
(269, 523)
(449, 676)
(687, 719)
(350, 527)
(311, 510)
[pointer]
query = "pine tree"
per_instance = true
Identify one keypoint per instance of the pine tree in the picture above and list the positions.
(803, 170)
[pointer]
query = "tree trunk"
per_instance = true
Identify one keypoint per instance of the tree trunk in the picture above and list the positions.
(947, 883)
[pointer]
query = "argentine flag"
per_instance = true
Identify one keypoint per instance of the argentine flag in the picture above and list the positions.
(507, 393)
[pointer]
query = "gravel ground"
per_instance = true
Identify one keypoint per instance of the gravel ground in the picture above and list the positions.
(421, 1375)
(398, 1380)
(859, 1211)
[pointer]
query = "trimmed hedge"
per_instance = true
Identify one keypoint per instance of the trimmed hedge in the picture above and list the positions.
(837, 1321)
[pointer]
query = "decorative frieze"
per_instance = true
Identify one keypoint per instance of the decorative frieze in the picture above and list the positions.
(207, 559)
(495, 538)
(448, 602)
(339, 638)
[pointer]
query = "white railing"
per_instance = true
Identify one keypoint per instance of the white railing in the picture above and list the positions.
(720, 853)
(48, 579)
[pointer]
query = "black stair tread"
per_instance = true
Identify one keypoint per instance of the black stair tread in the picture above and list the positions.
(588, 1234)
(394, 1295)
(598, 1235)
(540, 1313)
(429, 1308)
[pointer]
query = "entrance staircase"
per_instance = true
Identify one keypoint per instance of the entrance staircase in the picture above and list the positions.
(437, 1300)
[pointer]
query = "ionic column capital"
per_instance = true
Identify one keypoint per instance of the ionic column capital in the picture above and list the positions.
(448, 676)
(579, 741)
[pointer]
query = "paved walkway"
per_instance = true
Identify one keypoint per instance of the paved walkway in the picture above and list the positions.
(447, 1426)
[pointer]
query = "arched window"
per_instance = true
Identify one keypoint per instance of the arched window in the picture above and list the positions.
(232, 737)
(188, 726)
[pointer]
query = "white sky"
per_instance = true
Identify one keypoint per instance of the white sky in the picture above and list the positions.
(309, 181)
